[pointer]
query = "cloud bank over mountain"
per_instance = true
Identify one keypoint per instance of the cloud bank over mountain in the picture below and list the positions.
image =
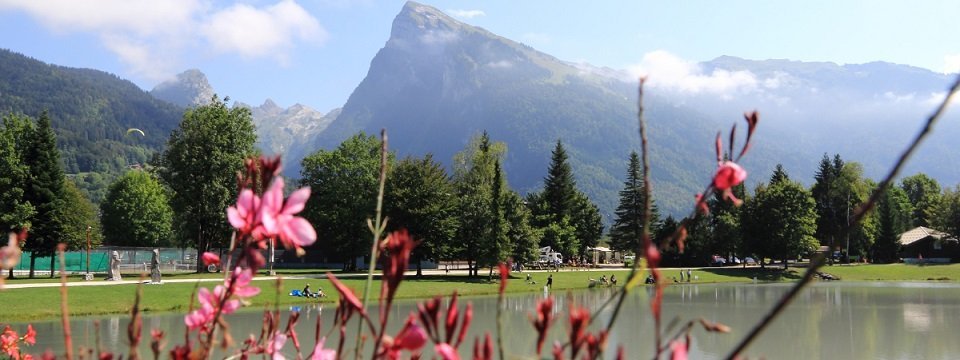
(149, 37)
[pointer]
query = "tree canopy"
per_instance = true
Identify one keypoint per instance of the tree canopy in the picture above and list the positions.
(136, 212)
(200, 164)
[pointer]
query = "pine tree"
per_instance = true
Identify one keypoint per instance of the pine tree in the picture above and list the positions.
(894, 211)
(45, 192)
(627, 229)
(559, 190)
(481, 222)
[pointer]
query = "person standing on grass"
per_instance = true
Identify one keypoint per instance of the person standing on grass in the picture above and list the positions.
(689, 275)
(550, 281)
(681, 274)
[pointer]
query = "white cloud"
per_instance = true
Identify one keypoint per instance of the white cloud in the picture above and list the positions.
(668, 71)
(466, 14)
(434, 37)
(951, 64)
(936, 99)
(253, 32)
(896, 98)
(151, 37)
(502, 64)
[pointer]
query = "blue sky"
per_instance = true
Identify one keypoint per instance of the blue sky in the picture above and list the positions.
(315, 52)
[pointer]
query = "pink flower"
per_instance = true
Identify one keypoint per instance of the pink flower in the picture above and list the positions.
(243, 216)
(241, 287)
(210, 258)
(279, 340)
(277, 216)
(31, 336)
(8, 343)
(679, 350)
(202, 317)
(397, 247)
(544, 317)
(411, 337)
(728, 175)
(346, 295)
(446, 352)
(319, 353)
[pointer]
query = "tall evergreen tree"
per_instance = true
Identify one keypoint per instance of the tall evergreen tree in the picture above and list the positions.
(45, 192)
(559, 189)
(831, 199)
(894, 215)
(200, 164)
(480, 219)
(627, 228)
(420, 198)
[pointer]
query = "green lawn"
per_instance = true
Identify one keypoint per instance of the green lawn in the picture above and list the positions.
(44, 303)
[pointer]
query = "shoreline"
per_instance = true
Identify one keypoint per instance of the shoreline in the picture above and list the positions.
(40, 301)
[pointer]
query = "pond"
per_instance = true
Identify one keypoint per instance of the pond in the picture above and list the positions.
(828, 320)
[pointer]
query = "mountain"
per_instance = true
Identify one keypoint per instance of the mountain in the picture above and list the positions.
(279, 131)
(438, 81)
(286, 131)
(865, 112)
(189, 88)
(90, 111)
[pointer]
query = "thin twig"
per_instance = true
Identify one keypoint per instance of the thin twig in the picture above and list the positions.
(858, 216)
(376, 228)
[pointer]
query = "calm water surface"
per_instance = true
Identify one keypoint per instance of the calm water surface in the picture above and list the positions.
(828, 321)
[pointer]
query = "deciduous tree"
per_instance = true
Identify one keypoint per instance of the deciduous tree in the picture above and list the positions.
(200, 164)
(344, 186)
(420, 198)
(136, 212)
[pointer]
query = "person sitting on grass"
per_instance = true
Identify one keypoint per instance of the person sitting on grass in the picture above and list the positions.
(603, 279)
(306, 291)
(613, 280)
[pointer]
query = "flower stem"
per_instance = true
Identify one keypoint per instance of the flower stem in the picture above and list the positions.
(377, 229)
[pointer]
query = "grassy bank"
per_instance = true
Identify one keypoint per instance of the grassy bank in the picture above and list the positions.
(29, 304)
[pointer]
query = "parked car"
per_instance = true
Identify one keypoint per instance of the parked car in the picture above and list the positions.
(749, 261)
(629, 257)
(717, 260)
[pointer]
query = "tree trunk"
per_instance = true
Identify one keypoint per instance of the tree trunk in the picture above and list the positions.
(470, 268)
(10, 274)
(52, 258)
(419, 266)
(33, 263)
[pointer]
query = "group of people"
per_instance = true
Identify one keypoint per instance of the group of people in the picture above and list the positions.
(307, 293)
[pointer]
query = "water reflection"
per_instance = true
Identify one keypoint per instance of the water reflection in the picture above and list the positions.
(830, 320)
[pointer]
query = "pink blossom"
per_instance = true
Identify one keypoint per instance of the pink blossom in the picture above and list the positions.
(728, 175)
(277, 216)
(446, 352)
(346, 295)
(411, 337)
(279, 340)
(241, 287)
(319, 353)
(398, 247)
(8, 343)
(210, 258)
(31, 336)
(679, 350)
(243, 215)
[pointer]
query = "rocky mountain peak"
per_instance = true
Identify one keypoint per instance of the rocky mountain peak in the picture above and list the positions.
(189, 88)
